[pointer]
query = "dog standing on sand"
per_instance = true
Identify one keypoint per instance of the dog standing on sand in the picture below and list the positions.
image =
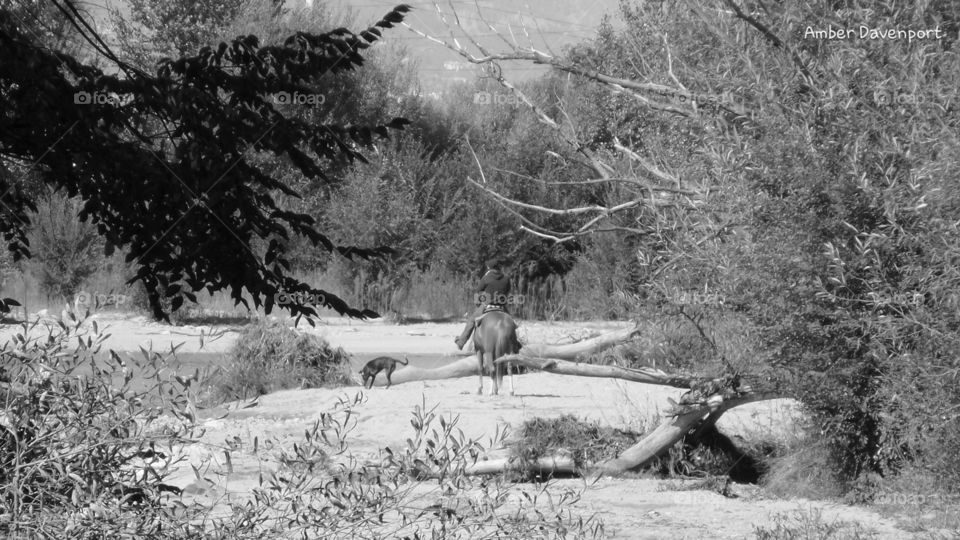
(379, 364)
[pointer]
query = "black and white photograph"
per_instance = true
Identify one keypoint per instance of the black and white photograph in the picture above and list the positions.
(480, 269)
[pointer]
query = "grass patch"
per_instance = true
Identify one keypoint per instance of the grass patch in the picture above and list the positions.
(270, 356)
(810, 525)
(805, 469)
(584, 442)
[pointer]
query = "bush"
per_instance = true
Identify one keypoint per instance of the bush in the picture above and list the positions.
(806, 469)
(64, 250)
(433, 294)
(79, 456)
(585, 442)
(270, 356)
(418, 491)
(598, 285)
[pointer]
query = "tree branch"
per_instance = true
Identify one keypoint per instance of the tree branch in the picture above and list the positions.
(579, 369)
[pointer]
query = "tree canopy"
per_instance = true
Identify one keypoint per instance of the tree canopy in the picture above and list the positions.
(166, 162)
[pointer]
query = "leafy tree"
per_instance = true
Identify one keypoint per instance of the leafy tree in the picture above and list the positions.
(188, 200)
(65, 250)
(822, 198)
(156, 30)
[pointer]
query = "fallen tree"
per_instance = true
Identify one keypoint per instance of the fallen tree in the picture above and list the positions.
(468, 366)
(563, 367)
(706, 400)
(684, 418)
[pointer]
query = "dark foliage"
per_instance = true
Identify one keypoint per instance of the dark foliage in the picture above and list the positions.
(164, 163)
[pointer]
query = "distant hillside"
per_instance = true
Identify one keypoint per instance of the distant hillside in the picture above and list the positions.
(552, 24)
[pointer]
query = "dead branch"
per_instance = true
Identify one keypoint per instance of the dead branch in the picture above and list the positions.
(668, 195)
(564, 367)
(773, 38)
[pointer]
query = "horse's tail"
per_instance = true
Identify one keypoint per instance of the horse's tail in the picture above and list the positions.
(507, 342)
(405, 360)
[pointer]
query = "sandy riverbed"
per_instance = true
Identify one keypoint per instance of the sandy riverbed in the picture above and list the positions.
(631, 508)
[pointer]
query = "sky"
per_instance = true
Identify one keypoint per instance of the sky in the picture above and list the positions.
(549, 25)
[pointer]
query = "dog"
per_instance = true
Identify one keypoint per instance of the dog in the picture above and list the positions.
(379, 364)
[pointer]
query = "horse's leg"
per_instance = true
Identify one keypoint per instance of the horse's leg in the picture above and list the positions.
(494, 375)
(510, 370)
(480, 372)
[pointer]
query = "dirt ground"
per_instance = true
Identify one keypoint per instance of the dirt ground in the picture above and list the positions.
(630, 508)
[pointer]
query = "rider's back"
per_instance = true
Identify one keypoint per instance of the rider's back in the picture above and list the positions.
(494, 287)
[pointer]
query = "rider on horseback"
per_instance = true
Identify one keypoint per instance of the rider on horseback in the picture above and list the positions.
(491, 294)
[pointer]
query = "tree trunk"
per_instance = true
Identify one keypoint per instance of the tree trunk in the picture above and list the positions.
(653, 445)
(650, 447)
(571, 351)
(463, 367)
(563, 367)
(557, 464)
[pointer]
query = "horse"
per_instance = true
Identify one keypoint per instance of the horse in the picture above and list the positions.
(494, 336)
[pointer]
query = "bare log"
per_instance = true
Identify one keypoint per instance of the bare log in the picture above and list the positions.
(464, 367)
(555, 464)
(667, 434)
(544, 465)
(571, 351)
(653, 445)
(563, 367)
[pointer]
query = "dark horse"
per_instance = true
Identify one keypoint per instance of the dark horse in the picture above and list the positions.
(495, 336)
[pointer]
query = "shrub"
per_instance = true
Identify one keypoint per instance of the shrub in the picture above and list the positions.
(596, 287)
(807, 524)
(806, 469)
(81, 457)
(418, 491)
(270, 356)
(433, 294)
(64, 250)
(585, 442)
